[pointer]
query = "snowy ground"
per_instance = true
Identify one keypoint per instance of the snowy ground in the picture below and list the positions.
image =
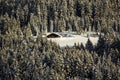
(70, 41)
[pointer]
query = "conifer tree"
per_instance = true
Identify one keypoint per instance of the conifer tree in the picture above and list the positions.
(89, 45)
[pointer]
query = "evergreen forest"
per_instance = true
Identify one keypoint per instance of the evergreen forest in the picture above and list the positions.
(24, 58)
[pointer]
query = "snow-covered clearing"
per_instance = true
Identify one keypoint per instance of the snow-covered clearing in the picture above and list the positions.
(70, 41)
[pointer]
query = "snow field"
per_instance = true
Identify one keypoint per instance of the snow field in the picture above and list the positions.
(70, 41)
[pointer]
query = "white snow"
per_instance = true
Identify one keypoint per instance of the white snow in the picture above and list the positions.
(70, 41)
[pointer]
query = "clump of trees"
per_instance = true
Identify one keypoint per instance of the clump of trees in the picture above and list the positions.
(40, 59)
(71, 15)
(22, 56)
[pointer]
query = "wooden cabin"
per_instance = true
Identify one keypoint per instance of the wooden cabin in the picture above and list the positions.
(53, 35)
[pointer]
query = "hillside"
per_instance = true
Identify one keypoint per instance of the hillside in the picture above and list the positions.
(26, 55)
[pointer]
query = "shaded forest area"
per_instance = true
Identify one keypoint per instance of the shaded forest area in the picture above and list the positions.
(23, 58)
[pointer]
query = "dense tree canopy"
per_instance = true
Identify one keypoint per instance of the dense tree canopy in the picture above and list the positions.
(22, 57)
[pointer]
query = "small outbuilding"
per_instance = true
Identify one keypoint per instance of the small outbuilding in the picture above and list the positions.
(53, 35)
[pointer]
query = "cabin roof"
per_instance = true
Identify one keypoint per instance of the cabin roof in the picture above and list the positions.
(54, 35)
(59, 34)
